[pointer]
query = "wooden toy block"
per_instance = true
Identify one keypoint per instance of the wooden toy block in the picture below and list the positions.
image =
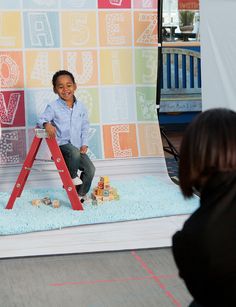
(55, 203)
(36, 202)
(94, 202)
(103, 191)
(100, 192)
(46, 201)
(100, 185)
(105, 179)
(106, 192)
(97, 198)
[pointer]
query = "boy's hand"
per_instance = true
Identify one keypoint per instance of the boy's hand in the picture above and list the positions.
(83, 149)
(50, 129)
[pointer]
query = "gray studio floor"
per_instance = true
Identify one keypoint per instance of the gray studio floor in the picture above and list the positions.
(130, 278)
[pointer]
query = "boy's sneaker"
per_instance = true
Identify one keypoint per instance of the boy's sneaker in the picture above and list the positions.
(77, 181)
(85, 199)
(81, 199)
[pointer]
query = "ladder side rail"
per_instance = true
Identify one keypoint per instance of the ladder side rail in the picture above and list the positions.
(24, 173)
(64, 174)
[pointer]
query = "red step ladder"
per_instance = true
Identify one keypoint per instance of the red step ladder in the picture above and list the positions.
(59, 161)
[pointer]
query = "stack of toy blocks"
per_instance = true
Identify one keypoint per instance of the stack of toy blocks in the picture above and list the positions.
(103, 191)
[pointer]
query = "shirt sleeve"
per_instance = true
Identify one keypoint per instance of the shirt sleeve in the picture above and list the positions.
(85, 128)
(46, 117)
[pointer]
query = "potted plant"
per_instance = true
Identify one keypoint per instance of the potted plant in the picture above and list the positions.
(186, 20)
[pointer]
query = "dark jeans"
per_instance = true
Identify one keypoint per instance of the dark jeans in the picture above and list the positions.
(195, 304)
(76, 161)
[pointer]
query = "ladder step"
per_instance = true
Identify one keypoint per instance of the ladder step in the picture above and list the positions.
(41, 133)
(44, 160)
(44, 170)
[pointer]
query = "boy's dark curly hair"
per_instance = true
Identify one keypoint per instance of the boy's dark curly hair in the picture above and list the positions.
(61, 73)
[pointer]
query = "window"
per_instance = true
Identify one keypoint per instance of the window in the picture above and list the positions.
(180, 21)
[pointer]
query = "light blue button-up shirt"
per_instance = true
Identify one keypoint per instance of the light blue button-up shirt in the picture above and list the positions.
(72, 124)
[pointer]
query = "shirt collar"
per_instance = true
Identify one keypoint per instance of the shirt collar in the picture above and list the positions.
(63, 101)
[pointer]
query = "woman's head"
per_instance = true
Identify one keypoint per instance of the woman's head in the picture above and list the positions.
(208, 146)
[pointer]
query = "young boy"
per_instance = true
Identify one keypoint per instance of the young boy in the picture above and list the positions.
(67, 120)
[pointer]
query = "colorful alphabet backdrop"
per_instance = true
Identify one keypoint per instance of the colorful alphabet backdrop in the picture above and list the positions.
(111, 48)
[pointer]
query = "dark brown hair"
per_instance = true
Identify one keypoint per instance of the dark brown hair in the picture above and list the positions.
(61, 73)
(208, 146)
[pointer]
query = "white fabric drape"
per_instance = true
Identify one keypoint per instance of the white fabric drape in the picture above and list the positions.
(218, 52)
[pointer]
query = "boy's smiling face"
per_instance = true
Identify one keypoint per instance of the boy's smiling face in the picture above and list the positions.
(65, 88)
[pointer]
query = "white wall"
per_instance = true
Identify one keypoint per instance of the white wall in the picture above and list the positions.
(218, 53)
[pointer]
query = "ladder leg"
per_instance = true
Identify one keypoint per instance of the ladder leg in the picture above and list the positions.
(64, 174)
(21, 180)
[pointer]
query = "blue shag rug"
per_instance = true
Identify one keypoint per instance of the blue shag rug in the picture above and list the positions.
(140, 198)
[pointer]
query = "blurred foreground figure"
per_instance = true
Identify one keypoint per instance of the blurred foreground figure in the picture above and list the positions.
(205, 249)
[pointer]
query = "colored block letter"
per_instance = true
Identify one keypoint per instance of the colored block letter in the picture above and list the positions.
(12, 109)
(115, 28)
(11, 69)
(12, 147)
(120, 141)
(83, 64)
(116, 66)
(150, 140)
(145, 28)
(78, 29)
(10, 30)
(41, 29)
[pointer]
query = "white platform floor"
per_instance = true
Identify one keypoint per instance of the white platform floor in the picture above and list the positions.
(141, 234)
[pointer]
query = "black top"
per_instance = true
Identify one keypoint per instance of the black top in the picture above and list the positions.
(205, 249)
